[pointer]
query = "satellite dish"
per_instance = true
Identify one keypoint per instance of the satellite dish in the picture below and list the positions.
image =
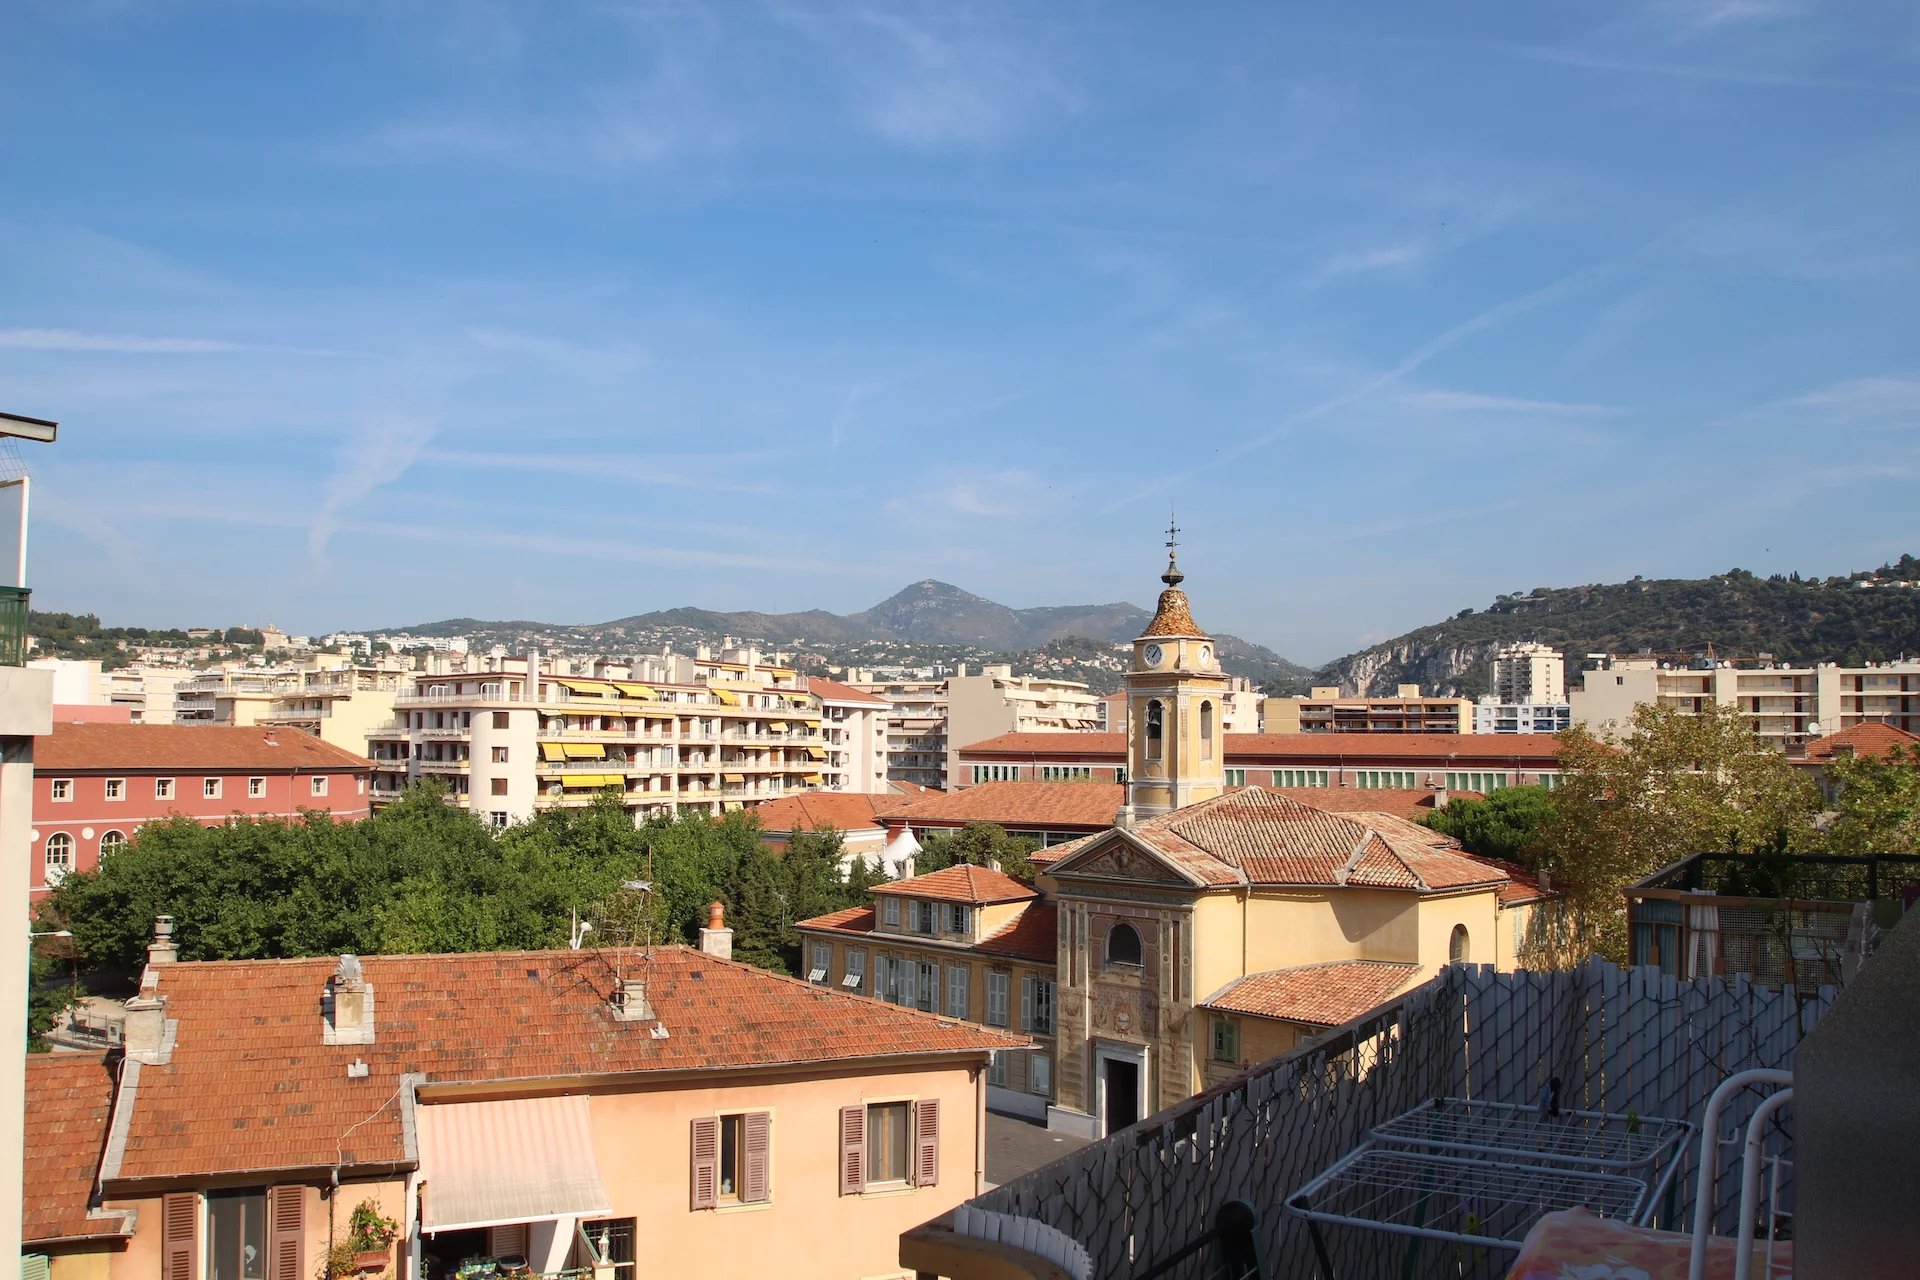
(1813, 728)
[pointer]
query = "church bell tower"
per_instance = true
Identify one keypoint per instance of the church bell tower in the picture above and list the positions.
(1176, 700)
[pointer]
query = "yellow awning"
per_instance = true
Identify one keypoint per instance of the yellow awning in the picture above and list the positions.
(727, 696)
(780, 673)
(633, 690)
(731, 777)
(754, 746)
(552, 751)
(593, 780)
(817, 753)
(799, 699)
(604, 688)
(779, 726)
(586, 751)
(812, 722)
(814, 779)
(728, 806)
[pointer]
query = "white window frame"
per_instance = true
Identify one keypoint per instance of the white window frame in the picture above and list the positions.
(115, 789)
(1040, 1073)
(55, 873)
(1236, 777)
(855, 979)
(927, 986)
(999, 989)
(118, 845)
(904, 973)
(819, 961)
(889, 910)
(210, 788)
(1037, 1001)
(163, 788)
(62, 790)
(256, 788)
(318, 787)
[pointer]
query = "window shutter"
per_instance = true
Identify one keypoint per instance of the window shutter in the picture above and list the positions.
(926, 1142)
(853, 1151)
(510, 1239)
(1026, 1004)
(179, 1220)
(286, 1225)
(706, 1163)
(759, 1155)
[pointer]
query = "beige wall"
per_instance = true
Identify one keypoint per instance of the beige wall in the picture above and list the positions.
(26, 710)
(90, 1264)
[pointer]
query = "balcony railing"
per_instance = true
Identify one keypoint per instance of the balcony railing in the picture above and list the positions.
(13, 625)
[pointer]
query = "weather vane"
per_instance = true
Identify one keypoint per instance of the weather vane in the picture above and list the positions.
(1173, 532)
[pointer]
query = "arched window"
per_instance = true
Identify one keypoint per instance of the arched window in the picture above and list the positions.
(1206, 731)
(1123, 945)
(111, 843)
(1457, 946)
(1155, 728)
(59, 857)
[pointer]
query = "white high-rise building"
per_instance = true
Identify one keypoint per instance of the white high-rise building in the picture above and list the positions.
(1529, 674)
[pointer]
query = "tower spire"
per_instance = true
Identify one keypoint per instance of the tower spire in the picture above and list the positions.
(1172, 577)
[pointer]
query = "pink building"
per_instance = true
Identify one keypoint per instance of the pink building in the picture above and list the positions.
(95, 784)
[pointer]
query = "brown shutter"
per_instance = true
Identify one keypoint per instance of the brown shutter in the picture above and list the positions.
(706, 1163)
(179, 1220)
(286, 1230)
(759, 1155)
(853, 1150)
(926, 1142)
(511, 1239)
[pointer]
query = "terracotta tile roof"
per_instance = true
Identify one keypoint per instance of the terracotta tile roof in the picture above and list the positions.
(1250, 749)
(1256, 836)
(1022, 804)
(251, 1085)
(74, 747)
(1320, 995)
(1400, 802)
(69, 1103)
(961, 883)
(849, 920)
(841, 810)
(1173, 617)
(833, 691)
(1869, 741)
(913, 788)
(1522, 885)
(1033, 935)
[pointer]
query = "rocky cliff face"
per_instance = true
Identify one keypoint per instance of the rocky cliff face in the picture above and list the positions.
(1438, 666)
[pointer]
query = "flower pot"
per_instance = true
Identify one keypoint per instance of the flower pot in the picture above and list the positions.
(372, 1259)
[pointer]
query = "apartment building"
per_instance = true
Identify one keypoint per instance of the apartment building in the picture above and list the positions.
(996, 701)
(1325, 711)
(854, 730)
(667, 732)
(1786, 706)
(916, 727)
(1528, 674)
(96, 784)
(1490, 716)
(607, 1114)
(333, 699)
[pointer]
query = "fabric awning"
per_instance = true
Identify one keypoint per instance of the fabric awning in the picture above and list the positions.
(817, 753)
(754, 746)
(586, 751)
(727, 696)
(778, 726)
(594, 780)
(552, 751)
(488, 1164)
(814, 779)
(731, 777)
(601, 688)
(812, 722)
(728, 806)
(635, 690)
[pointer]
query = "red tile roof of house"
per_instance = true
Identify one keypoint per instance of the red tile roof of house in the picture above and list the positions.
(1255, 836)
(841, 810)
(69, 1103)
(1522, 885)
(1870, 741)
(962, 882)
(1018, 804)
(833, 691)
(1033, 935)
(80, 747)
(1320, 995)
(251, 1086)
(915, 789)
(1507, 747)
(846, 920)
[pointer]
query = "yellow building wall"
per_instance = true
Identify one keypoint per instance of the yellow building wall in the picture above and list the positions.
(1288, 929)
(92, 1264)
(1218, 941)
(1438, 916)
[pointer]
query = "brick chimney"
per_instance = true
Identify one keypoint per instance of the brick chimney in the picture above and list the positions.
(146, 1035)
(346, 1005)
(162, 949)
(630, 1003)
(716, 939)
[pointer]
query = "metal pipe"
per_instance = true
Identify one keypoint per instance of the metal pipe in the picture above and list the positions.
(1750, 1179)
(1710, 1157)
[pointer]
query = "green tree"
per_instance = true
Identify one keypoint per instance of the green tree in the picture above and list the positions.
(49, 992)
(979, 843)
(763, 933)
(1675, 785)
(1503, 825)
(1877, 803)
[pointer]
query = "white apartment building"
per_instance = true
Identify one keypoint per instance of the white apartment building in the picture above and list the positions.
(146, 692)
(1528, 674)
(668, 732)
(853, 729)
(1490, 716)
(334, 699)
(916, 727)
(1787, 706)
(996, 701)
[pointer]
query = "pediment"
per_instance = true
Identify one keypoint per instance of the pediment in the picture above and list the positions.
(1120, 858)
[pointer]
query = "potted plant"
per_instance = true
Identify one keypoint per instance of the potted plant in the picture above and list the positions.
(370, 1235)
(338, 1263)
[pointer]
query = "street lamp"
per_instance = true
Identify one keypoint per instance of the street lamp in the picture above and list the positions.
(13, 471)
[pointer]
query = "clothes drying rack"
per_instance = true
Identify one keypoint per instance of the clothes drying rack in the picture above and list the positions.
(1482, 1173)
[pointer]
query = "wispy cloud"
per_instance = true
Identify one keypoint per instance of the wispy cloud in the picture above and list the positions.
(380, 452)
(586, 360)
(1480, 402)
(75, 340)
(1392, 257)
(713, 473)
(1713, 15)
(1884, 403)
(1752, 77)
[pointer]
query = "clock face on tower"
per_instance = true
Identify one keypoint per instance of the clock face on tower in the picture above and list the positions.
(1206, 653)
(1151, 655)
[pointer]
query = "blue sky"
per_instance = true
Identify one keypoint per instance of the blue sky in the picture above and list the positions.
(362, 314)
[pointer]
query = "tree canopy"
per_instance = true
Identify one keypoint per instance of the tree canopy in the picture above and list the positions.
(981, 844)
(1505, 824)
